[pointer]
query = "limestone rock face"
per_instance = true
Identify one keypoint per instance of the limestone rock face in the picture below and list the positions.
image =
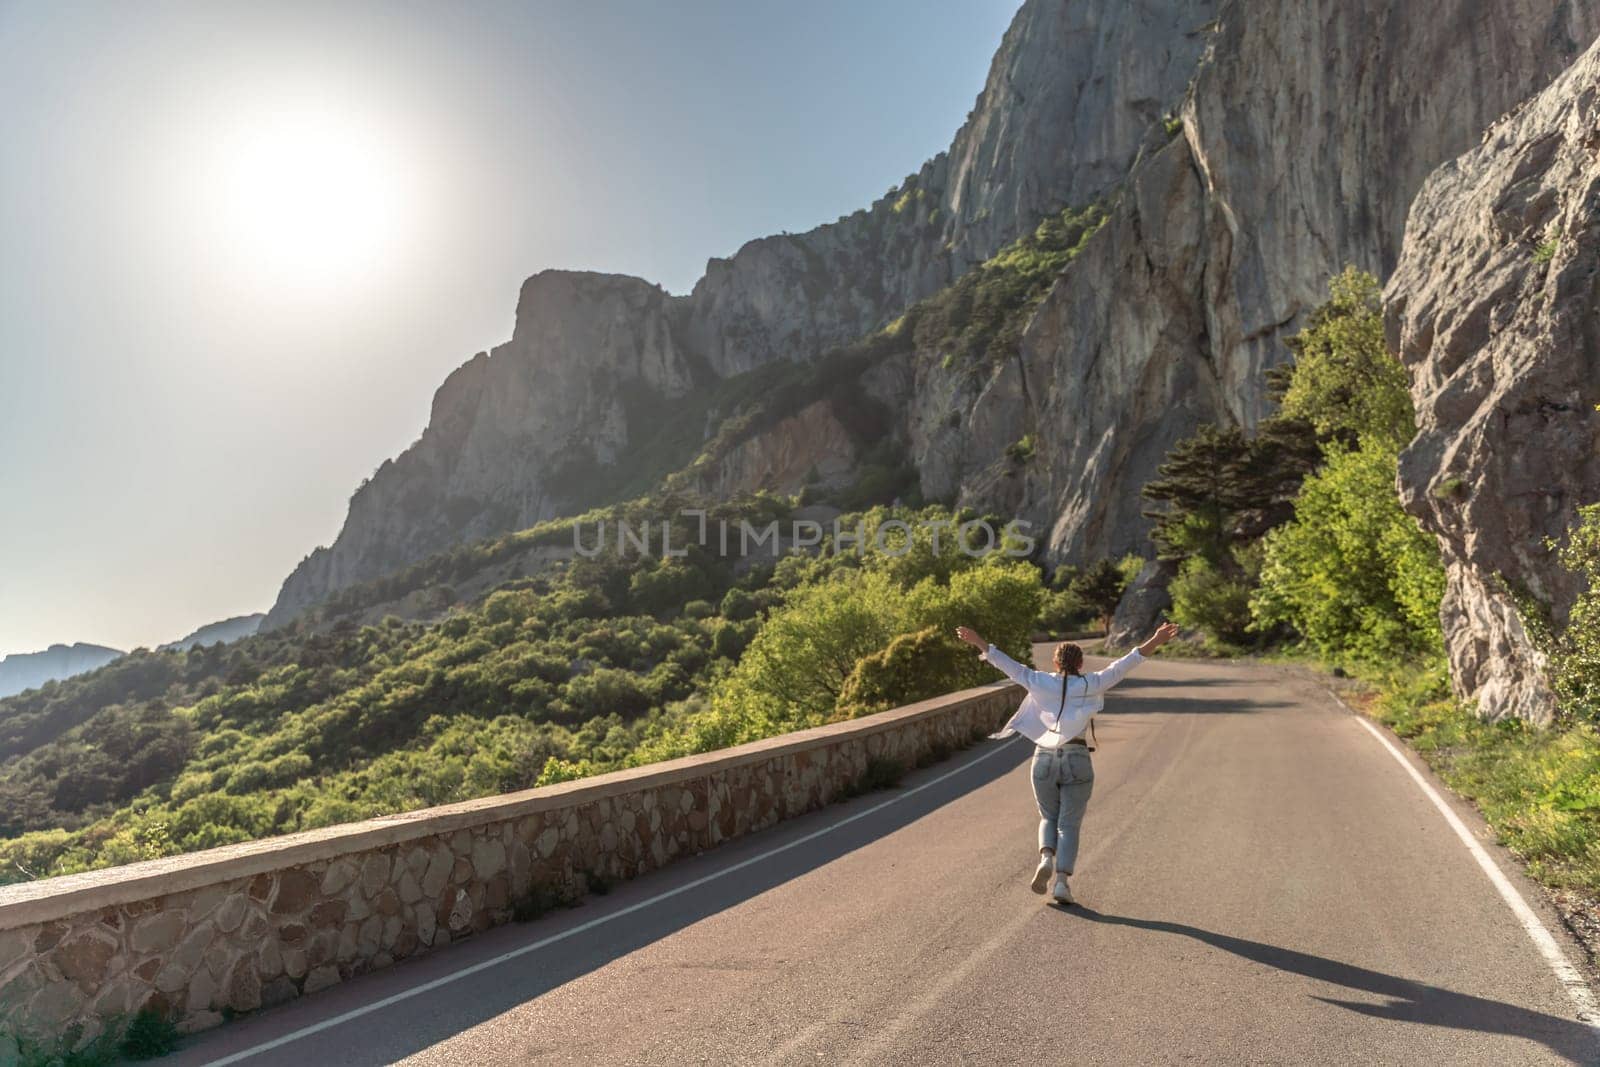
(1495, 311)
(502, 425)
(1143, 606)
(811, 444)
(1071, 92)
(1309, 127)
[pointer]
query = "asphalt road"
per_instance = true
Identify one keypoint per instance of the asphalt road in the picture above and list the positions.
(1261, 882)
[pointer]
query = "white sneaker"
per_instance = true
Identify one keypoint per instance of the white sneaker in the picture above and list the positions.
(1041, 877)
(1061, 893)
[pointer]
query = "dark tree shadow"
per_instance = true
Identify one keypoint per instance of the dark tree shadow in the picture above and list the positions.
(1134, 681)
(1408, 1000)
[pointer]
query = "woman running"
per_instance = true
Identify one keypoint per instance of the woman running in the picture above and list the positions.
(1054, 715)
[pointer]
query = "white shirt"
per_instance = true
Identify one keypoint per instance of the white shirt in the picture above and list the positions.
(1037, 718)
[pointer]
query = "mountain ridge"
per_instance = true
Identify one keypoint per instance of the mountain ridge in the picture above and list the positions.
(21, 671)
(789, 297)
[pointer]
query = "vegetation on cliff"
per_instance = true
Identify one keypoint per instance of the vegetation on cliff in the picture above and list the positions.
(1296, 532)
(1308, 550)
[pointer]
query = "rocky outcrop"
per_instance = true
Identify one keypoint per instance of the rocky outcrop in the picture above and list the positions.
(1144, 604)
(29, 670)
(1072, 91)
(1309, 127)
(1495, 311)
(810, 447)
(506, 428)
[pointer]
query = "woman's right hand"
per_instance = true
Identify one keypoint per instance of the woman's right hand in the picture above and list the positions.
(1164, 633)
(970, 636)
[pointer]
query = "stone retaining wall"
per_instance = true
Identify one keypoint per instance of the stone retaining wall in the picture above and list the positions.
(237, 928)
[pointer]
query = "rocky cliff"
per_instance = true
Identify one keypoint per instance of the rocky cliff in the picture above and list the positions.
(1301, 141)
(1246, 154)
(1495, 310)
(1072, 91)
(1309, 127)
(507, 429)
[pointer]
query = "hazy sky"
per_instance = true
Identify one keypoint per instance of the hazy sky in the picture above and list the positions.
(242, 244)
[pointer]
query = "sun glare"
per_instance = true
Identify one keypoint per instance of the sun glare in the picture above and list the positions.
(306, 199)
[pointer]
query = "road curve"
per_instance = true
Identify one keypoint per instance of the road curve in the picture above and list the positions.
(1261, 882)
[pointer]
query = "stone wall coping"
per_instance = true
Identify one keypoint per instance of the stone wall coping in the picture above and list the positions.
(48, 899)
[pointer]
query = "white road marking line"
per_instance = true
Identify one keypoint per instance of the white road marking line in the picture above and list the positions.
(523, 950)
(1569, 977)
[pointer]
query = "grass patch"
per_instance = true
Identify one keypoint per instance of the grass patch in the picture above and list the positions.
(1546, 251)
(1539, 788)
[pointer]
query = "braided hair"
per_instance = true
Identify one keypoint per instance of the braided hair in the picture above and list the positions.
(1069, 658)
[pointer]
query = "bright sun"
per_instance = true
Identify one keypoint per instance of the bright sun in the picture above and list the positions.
(307, 199)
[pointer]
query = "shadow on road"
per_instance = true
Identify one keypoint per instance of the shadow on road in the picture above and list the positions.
(1129, 702)
(1134, 681)
(415, 1023)
(1409, 1001)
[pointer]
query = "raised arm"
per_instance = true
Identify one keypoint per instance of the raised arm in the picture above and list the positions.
(1164, 633)
(1101, 680)
(1025, 676)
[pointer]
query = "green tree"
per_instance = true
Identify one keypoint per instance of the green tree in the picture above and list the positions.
(1353, 572)
(1345, 382)
(1100, 588)
(1222, 488)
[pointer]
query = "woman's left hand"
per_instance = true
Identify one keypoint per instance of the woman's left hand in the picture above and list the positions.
(970, 636)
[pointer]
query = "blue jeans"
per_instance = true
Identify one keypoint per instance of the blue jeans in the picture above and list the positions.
(1062, 781)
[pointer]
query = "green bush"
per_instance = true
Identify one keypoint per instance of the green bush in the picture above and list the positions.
(1575, 658)
(1021, 451)
(1063, 611)
(910, 668)
(738, 605)
(794, 671)
(1215, 603)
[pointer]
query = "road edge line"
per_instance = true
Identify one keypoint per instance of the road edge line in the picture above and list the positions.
(599, 920)
(1568, 975)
